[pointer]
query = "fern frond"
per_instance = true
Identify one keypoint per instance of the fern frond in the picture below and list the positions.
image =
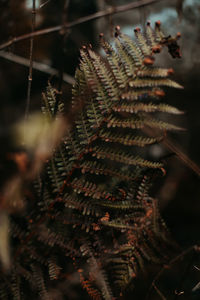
(54, 269)
(100, 168)
(104, 75)
(39, 281)
(143, 83)
(131, 49)
(111, 154)
(143, 94)
(91, 202)
(122, 205)
(150, 34)
(84, 129)
(97, 273)
(15, 286)
(150, 107)
(137, 123)
(115, 64)
(49, 100)
(128, 140)
(154, 72)
(57, 181)
(125, 58)
(89, 189)
(142, 42)
(86, 206)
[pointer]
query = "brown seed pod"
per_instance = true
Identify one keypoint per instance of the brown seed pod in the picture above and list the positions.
(156, 49)
(148, 61)
(158, 23)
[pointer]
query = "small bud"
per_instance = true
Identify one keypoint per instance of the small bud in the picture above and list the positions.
(170, 71)
(101, 35)
(159, 93)
(148, 61)
(156, 49)
(117, 28)
(158, 23)
(163, 172)
(117, 31)
(137, 29)
(80, 270)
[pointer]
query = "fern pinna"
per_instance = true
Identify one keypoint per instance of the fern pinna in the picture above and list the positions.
(94, 205)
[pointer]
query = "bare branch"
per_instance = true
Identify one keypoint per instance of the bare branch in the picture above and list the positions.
(107, 12)
(36, 65)
(64, 35)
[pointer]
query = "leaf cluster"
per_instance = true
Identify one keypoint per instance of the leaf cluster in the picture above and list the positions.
(92, 201)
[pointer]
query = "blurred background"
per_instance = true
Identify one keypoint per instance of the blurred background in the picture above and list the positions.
(57, 56)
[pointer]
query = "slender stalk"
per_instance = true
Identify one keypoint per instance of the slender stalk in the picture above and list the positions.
(63, 36)
(170, 145)
(181, 155)
(159, 292)
(107, 12)
(30, 75)
(36, 65)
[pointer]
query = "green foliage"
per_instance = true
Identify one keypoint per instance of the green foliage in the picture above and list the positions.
(92, 201)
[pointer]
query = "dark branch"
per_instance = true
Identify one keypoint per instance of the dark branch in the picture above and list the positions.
(36, 65)
(107, 12)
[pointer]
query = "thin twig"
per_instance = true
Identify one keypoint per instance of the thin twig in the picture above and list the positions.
(159, 292)
(31, 63)
(194, 248)
(107, 12)
(64, 34)
(44, 3)
(181, 155)
(170, 145)
(63, 37)
(36, 65)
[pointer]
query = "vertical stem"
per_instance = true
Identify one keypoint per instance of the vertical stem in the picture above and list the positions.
(63, 40)
(63, 34)
(31, 63)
